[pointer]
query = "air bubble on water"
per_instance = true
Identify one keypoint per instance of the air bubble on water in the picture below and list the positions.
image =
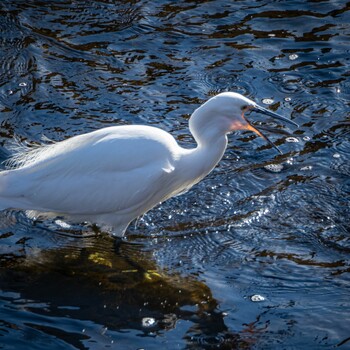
(267, 101)
(336, 155)
(287, 99)
(293, 56)
(292, 139)
(306, 138)
(257, 298)
(148, 322)
(22, 84)
(62, 224)
(306, 168)
(274, 168)
(271, 35)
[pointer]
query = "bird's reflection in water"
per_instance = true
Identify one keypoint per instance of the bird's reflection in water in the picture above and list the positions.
(116, 281)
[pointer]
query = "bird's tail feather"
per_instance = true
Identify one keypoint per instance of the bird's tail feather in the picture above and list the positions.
(7, 191)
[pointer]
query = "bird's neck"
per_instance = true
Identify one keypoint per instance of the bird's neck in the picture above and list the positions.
(202, 159)
(210, 135)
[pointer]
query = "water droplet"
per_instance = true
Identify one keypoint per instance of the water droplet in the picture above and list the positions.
(292, 139)
(290, 161)
(336, 155)
(22, 84)
(148, 322)
(287, 99)
(293, 56)
(257, 297)
(267, 101)
(274, 168)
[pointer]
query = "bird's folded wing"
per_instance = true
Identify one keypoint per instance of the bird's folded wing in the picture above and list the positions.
(107, 175)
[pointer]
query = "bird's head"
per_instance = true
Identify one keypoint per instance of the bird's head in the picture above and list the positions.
(225, 113)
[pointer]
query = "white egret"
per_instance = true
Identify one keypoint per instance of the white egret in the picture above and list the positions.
(114, 175)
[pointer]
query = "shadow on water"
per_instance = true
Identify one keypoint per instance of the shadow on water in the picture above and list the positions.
(98, 290)
(274, 227)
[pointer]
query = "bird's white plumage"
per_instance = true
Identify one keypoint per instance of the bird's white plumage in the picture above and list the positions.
(113, 175)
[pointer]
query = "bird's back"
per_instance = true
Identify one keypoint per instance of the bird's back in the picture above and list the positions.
(112, 169)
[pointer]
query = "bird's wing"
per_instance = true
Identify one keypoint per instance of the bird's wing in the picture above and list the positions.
(100, 172)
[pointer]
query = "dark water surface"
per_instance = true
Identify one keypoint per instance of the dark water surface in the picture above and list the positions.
(188, 273)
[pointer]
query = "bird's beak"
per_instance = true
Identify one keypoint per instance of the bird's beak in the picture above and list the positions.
(265, 111)
(273, 114)
(252, 128)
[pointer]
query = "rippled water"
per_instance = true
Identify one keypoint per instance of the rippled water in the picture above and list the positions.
(261, 226)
